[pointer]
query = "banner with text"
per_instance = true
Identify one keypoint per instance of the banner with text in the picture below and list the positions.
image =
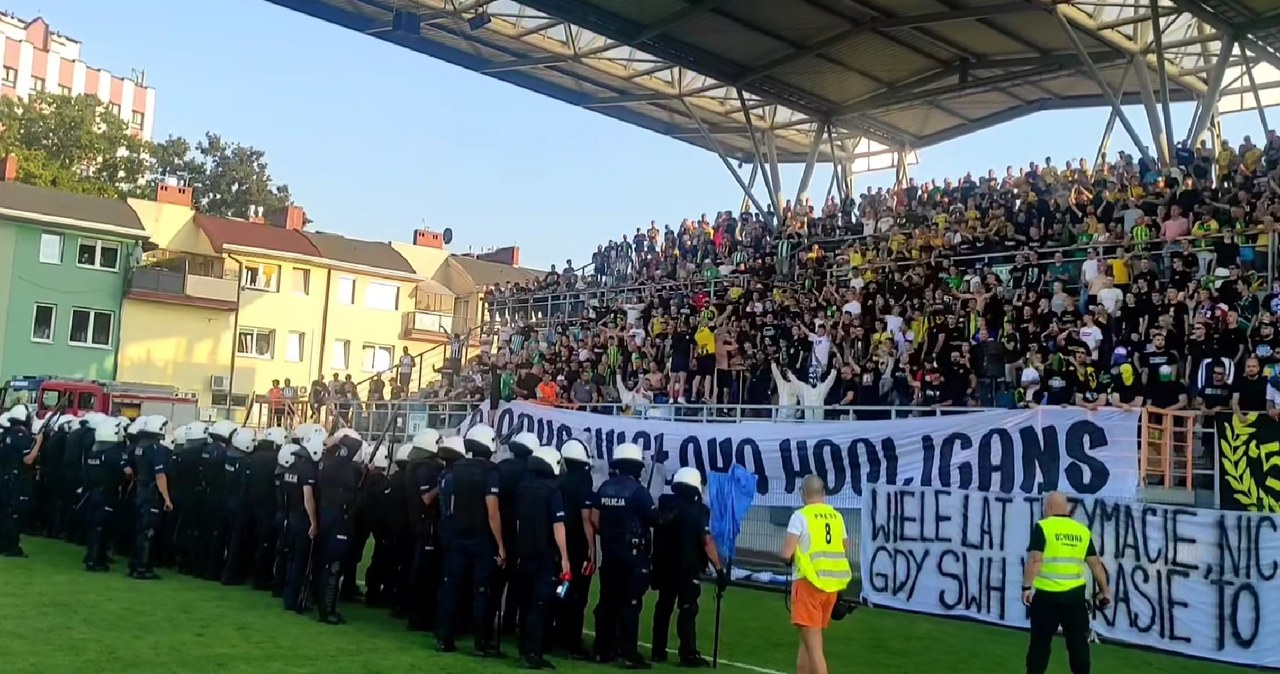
(1009, 452)
(1187, 580)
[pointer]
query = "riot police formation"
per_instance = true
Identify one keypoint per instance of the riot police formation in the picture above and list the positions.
(460, 544)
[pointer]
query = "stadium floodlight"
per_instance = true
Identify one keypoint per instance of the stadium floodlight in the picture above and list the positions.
(479, 20)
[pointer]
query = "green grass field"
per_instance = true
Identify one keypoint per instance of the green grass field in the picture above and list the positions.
(54, 617)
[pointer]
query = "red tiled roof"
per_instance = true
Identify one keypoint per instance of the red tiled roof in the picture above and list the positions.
(222, 232)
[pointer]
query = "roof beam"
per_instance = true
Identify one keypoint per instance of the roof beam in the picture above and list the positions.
(1241, 33)
(879, 24)
(1085, 23)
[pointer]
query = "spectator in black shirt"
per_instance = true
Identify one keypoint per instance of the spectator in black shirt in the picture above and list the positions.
(1250, 391)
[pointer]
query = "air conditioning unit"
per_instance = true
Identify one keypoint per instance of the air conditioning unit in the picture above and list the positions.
(220, 383)
(188, 395)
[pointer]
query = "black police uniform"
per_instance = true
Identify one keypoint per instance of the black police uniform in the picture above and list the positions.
(262, 506)
(53, 454)
(402, 542)
(356, 542)
(79, 440)
(16, 444)
(540, 507)
(627, 514)
(188, 505)
(280, 560)
(421, 479)
(298, 545)
(679, 558)
(470, 550)
(338, 486)
(508, 594)
(237, 516)
(150, 460)
(579, 495)
(104, 474)
(378, 504)
(213, 525)
(125, 522)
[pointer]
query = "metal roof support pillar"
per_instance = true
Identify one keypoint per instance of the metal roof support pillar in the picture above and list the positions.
(1153, 114)
(1253, 86)
(771, 146)
(760, 158)
(1102, 84)
(1209, 104)
(1111, 119)
(900, 171)
(1162, 67)
(711, 140)
(807, 176)
(751, 186)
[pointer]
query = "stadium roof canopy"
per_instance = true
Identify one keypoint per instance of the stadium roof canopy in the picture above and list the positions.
(853, 80)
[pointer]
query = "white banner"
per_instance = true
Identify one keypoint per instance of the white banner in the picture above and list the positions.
(1186, 580)
(1007, 452)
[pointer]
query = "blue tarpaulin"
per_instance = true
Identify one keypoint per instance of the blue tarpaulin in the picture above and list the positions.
(729, 496)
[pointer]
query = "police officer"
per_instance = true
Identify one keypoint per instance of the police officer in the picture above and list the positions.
(378, 503)
(106, 468)
(237, 513)
(1054, 586)
(473, 540)
(150, 492)
(401, 533)
(422, 483)
(682, 548)
(279, 560)
(79, 440)
(189, 496)
(508, 594)
(263, 464)
(359, 538)
(338, 485)
(541, 550)
(19, 450)
(52, 465)
(213, 478)
(302, 523)
(624, 516)
(578, 492)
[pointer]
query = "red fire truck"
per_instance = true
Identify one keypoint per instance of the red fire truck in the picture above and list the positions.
(108, 397)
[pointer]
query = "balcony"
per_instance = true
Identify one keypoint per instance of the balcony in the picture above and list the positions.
(425, 326)
(165, 284)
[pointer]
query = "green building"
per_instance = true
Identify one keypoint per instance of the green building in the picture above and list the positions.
(64, 263)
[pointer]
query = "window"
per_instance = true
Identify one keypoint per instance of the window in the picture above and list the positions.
(10, 76)
(377, 358)
(341, 353)
(382, 296)
(96, 254)
(346, 290)
(91, 327)
(293, 347)
(115, 108)
(42, 323)
(136, 119)
(50, 248)
(86, 401)
(37, 84)
(301, 281)
(435, 303)
(256, 343)
(64, 91)
(257, 276)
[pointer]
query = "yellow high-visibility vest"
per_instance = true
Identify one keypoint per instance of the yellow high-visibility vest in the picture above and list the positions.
(824, 563)
(1066, 542)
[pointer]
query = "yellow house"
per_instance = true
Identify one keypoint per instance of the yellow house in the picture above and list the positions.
(224, 308)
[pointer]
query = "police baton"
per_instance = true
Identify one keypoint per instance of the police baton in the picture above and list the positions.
(715, 639)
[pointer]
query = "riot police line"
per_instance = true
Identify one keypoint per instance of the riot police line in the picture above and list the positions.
(461, 544)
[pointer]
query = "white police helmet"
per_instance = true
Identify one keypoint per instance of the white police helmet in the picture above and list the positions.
(302, 431)
(628, 451)
(130, 427)
(242, 439)
(287, 455)
(688, 476)
(483, 437)
(428, 440)
(275, 435)
(108, 433)
(365, 455)
(346, 433)
(66, 422)
(18, 412)
(549, 456)
(523, 443)
(574, 450)
(315, 433)
(4, 420)
(381, 458)
(314, 446)
(452, 447)
(38, 424)
(197, 431)
(222, 430)
(153, 424)
(92, 419)
(402, 452)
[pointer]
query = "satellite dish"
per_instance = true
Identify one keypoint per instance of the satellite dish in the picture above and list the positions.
(447, 235)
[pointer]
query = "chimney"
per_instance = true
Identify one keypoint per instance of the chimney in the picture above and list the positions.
(178, 195)
(290, 217)
(428, 239)
(508, 255)
(9, 169)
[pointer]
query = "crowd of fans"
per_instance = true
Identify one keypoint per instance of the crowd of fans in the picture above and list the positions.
(1121, 282)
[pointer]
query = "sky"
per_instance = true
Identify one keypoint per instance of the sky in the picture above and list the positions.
(375, 140)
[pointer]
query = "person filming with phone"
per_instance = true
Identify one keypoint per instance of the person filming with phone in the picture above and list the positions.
(1054, 586)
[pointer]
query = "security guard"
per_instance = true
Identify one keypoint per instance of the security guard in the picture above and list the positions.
(79, 440)
(338, 485)
(263, 464)
(188, 496)
(624, 516)
(472, 529)
(422, 482)
(817, 542)
(579, 494)
(150, 494)
(237, 513)
(302, 524)
(106, 468)
(19, 450)
(682, 548)
(1054, 586)
(213, 479)
(508, 593)
(541, 550)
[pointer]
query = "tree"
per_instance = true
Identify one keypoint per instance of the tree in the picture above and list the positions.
(76, 144)
(229, 179)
